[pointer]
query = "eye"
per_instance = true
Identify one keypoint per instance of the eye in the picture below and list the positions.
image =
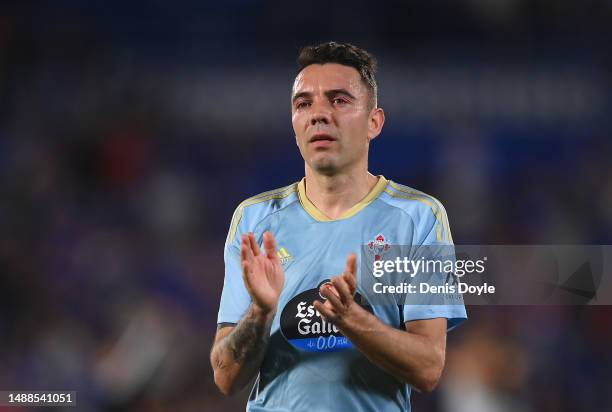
(302, 104)
(339, 101)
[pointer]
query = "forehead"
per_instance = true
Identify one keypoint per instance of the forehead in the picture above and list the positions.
(328, 76)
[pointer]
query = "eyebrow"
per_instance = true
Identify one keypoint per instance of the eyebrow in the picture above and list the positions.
(328, 93)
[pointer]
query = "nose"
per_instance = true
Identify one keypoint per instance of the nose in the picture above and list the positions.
(320, 114)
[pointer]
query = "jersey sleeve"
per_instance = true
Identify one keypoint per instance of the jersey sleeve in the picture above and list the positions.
(235, 299)
(433, 241)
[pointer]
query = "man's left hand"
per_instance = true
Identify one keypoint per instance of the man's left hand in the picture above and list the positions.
(339, 294)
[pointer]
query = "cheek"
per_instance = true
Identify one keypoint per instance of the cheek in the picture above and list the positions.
(297, 131)
(297, 123)
(299, 127)
(357, 128)
(294, 118)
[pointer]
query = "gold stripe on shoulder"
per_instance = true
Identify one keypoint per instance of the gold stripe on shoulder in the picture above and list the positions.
(270, 192)
(442, 211)
(270, 195)
(436, 211)
(238, 210)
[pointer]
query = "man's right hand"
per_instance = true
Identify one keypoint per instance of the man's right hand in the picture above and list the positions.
(263, 275)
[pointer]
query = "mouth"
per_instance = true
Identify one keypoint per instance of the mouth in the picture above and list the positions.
(321, 137)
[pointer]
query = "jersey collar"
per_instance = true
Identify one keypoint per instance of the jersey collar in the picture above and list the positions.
(313, 211)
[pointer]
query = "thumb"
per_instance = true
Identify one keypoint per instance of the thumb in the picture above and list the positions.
(351, 264)
(269, 244)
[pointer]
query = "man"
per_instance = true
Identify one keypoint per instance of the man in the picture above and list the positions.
(286, 313)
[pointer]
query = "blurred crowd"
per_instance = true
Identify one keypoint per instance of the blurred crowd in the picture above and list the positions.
(129, 135)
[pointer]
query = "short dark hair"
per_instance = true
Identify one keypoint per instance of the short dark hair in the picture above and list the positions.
(347, 55)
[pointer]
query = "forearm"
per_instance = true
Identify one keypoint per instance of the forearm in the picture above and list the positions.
(236, 358)
(413, 358)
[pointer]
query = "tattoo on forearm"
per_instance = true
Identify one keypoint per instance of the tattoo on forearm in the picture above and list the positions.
(248, 340)
(219, 363)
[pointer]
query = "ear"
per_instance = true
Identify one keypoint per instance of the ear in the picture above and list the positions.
(375, 123)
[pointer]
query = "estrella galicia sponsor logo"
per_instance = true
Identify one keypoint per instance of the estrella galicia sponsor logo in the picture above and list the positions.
(305, 328)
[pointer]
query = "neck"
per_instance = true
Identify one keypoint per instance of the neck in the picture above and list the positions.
(333, 195)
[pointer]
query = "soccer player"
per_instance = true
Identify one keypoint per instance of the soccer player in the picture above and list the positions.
(293, 313)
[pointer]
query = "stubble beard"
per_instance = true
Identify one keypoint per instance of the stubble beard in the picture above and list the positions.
(325, 164)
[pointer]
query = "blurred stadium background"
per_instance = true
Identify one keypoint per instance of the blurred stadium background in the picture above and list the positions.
(129, 133)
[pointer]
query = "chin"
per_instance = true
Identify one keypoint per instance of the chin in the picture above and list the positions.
(324, 165)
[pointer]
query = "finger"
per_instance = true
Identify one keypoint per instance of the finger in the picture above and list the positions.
(331, 288)
(343, 289)
(270, 245)
(327, 293)
(254, 245)
(351, 282)
(246, 267)
(350, 273)
(245, 249)
(243, 255)
(326, 312)
(351, 264)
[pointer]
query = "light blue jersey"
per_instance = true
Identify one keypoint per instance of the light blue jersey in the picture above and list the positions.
(309, 365)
